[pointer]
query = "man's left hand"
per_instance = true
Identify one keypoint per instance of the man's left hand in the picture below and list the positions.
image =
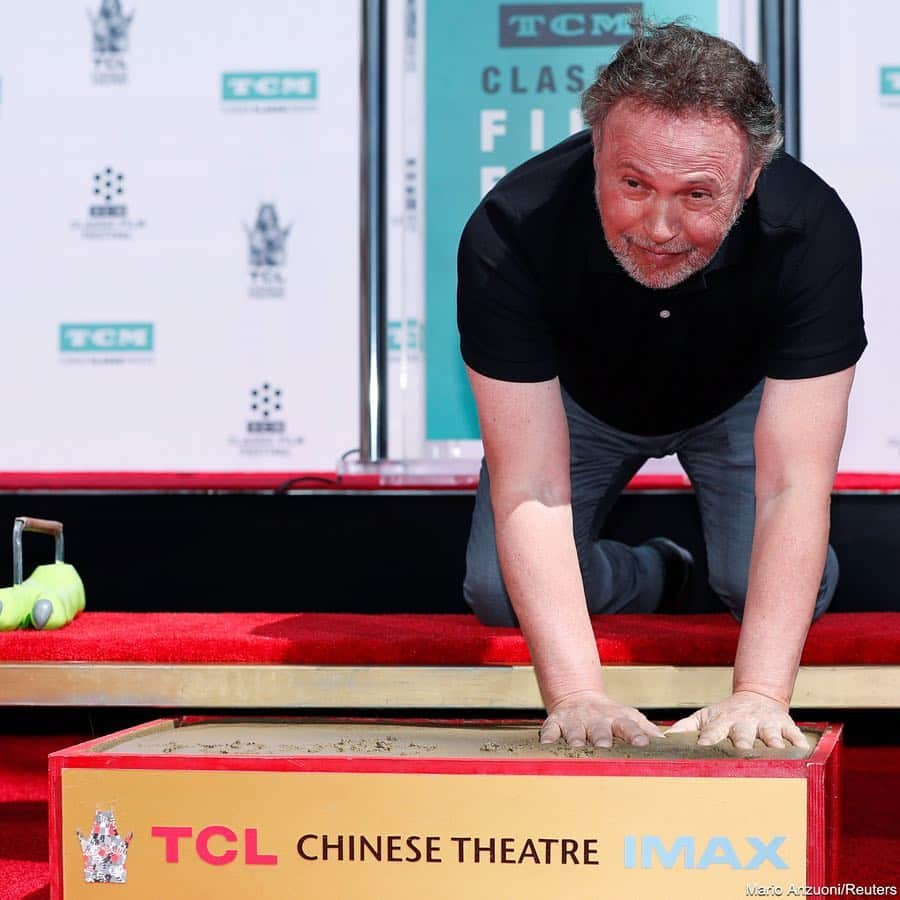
(743, 716)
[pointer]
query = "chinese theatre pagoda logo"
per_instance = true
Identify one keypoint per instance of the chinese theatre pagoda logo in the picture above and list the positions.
(110, 42)
(104, 850)
(267, 246)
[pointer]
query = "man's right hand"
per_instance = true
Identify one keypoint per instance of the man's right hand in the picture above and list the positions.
(590, 718)
(526, 445)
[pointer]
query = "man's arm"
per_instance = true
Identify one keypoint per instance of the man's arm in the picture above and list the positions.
(798, 437)
(526, 446)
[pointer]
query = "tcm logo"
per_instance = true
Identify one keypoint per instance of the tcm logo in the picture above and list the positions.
(890, 81)
(566, 24)
(216, 845)
(106, 338)
(649, 851)
(104, 852)
(270, 86)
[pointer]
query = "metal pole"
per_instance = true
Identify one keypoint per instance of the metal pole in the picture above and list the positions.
(373, 318)
(780, 36)
(791, 101)
(770, 44)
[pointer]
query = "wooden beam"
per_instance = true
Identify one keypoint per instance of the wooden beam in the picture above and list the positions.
(407, 687)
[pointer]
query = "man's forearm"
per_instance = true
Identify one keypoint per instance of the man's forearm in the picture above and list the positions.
(540, 568)
(789, 547)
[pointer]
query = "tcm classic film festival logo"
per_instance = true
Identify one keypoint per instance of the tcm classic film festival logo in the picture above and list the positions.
(106, 343)
(107, 214)
(266, 430)
(269, 92)
(565, 24)
(267, 254)
(110, 28)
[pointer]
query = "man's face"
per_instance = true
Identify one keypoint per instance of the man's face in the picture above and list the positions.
(668, 187)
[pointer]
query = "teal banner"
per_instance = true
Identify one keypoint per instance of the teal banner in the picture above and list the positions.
(509, 90)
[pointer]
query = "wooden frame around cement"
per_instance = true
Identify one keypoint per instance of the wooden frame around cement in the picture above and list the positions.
(222, 686)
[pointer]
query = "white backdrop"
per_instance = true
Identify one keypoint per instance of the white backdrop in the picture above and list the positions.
(850, 135)
(180, 184)
(137, 328)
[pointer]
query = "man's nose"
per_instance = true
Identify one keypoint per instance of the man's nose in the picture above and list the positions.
(661, 222)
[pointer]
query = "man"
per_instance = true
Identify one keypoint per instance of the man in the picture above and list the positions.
(712, 309)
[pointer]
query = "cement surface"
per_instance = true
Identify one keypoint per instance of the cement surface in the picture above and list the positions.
(291, 738)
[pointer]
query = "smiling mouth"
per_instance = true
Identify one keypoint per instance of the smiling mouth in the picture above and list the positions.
(661, 254)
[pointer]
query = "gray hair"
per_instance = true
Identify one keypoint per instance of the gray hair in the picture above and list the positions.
(676, 68)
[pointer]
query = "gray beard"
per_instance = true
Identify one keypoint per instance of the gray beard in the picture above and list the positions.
(693, 261)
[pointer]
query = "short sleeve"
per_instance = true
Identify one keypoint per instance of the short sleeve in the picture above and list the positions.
(819, 327)
(504, 333)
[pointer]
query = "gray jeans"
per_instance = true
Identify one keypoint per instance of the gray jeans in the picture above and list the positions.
(718, 458)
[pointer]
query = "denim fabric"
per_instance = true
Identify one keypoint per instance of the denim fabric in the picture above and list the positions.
(718, 458)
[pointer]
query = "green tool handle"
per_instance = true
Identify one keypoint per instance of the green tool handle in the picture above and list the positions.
(40, 526)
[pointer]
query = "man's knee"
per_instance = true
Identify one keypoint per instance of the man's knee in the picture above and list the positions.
(731, 587)
(829, 583)
(484, 591)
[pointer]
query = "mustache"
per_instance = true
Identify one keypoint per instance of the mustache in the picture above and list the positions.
(649, 245)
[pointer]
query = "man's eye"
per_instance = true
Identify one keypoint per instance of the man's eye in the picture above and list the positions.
(699, 195)
(632, 182)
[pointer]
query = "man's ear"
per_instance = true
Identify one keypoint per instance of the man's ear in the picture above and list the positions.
(751, 181)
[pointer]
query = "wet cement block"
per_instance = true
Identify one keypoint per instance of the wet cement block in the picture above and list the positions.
(387, 808)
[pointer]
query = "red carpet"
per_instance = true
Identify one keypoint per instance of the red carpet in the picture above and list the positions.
(874, 482)
(870, 835)
(405, 639)
(24, 870)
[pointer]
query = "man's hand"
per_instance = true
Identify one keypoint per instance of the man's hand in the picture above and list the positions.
(743, 716)
(591, 718)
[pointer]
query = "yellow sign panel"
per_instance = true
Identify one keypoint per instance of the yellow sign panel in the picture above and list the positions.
(279, 835)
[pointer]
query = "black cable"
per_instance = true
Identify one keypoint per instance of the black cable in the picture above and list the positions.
(314, 479)
(300, 479)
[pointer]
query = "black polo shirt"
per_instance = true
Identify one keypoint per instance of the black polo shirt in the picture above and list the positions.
(541, 295)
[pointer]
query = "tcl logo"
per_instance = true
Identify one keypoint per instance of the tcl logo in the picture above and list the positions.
(217, 845)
